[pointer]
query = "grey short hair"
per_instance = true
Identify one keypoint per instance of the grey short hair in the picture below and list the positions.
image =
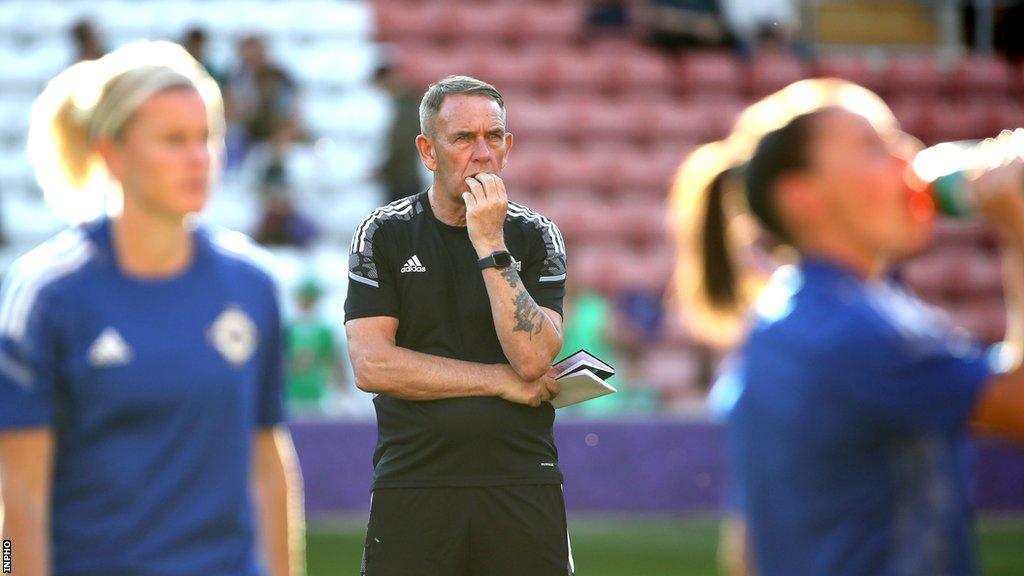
(438, 91)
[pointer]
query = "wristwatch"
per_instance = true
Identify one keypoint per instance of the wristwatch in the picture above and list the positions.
(500, 260)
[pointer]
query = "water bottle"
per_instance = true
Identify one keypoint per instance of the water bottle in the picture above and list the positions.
(944, 171)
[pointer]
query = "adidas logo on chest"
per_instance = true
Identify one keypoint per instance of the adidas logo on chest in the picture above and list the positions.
(109, 350)
(413, 265)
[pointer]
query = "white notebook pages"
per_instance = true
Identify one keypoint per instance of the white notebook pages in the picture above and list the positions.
(580, 386)
(581, 377)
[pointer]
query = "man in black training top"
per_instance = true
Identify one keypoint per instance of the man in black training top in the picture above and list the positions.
(453, 318)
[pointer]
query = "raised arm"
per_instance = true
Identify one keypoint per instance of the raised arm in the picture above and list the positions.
(999, 409)
(530, 335)
(26, 470)
(383, 367)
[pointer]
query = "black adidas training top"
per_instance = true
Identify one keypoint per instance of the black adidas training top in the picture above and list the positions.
(407, 264)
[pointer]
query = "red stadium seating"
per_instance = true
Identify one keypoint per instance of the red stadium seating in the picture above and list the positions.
(552, 21)
(710, 73)
(857, 69)
(602, 124)
(979, 75)
(916, 115)
(538, 120)
(632, 71)
(409, 21)
(919, 74)
(772, 72)
(967, 120)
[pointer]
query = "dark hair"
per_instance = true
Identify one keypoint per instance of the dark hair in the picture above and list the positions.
(779, 152)
(717, 264)
(195, 34)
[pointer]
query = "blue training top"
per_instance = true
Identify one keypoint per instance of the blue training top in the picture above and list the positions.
(154, 389)
(847, 429)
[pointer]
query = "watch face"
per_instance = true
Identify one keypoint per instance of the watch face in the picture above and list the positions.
(502, 259)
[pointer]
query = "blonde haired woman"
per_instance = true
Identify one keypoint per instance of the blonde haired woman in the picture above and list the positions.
(140, 374)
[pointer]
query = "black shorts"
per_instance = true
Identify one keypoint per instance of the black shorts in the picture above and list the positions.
(474, 531)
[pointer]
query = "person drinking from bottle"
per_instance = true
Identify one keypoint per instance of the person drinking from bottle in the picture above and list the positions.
(849, 402)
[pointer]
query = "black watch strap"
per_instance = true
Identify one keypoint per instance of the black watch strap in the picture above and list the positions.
(500, 259)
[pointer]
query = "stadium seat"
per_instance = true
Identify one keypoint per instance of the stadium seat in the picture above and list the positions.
(641, 219)
(681, 120)
(913, 75)
(916, 115)
(509, 70)
(622, 120)
(409, 21)
(494, 21)
(547, 21)
(423, 64)
(856, 69)
(979, 75)
(772, 72)
(710, 73)
(533, 165)
(967, 120)
(545, 119)
(637, 72)
(1008, 114)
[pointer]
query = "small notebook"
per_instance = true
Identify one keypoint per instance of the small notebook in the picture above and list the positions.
(581, 377)
(580, 386)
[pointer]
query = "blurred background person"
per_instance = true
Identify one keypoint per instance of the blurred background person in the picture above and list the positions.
(675, 25)
(141, 420)
(400, 170)
(724, 260)
(261, 97)
(314, 359)
(195, 42)
(270, 165)
(88, 44)
(751, 23)
(849, 394)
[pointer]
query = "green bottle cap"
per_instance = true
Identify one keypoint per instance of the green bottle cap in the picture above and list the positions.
(951, 194)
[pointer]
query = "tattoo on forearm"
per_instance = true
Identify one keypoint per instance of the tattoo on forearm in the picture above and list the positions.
(511, 276)
(529, 318)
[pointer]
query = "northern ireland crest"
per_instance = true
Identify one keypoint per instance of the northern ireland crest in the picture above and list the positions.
(234, 335)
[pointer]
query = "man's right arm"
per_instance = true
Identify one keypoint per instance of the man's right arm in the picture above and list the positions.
(383, 367)
(25, 476)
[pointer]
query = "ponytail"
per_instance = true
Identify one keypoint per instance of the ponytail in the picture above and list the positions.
(711, 287)
(718, 266)
(96, 99)
(58, 139)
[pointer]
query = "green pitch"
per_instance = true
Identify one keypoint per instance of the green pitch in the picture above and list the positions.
(653, 547)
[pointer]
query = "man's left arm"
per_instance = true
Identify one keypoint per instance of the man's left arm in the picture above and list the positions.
(530, 335)
(277, 494)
